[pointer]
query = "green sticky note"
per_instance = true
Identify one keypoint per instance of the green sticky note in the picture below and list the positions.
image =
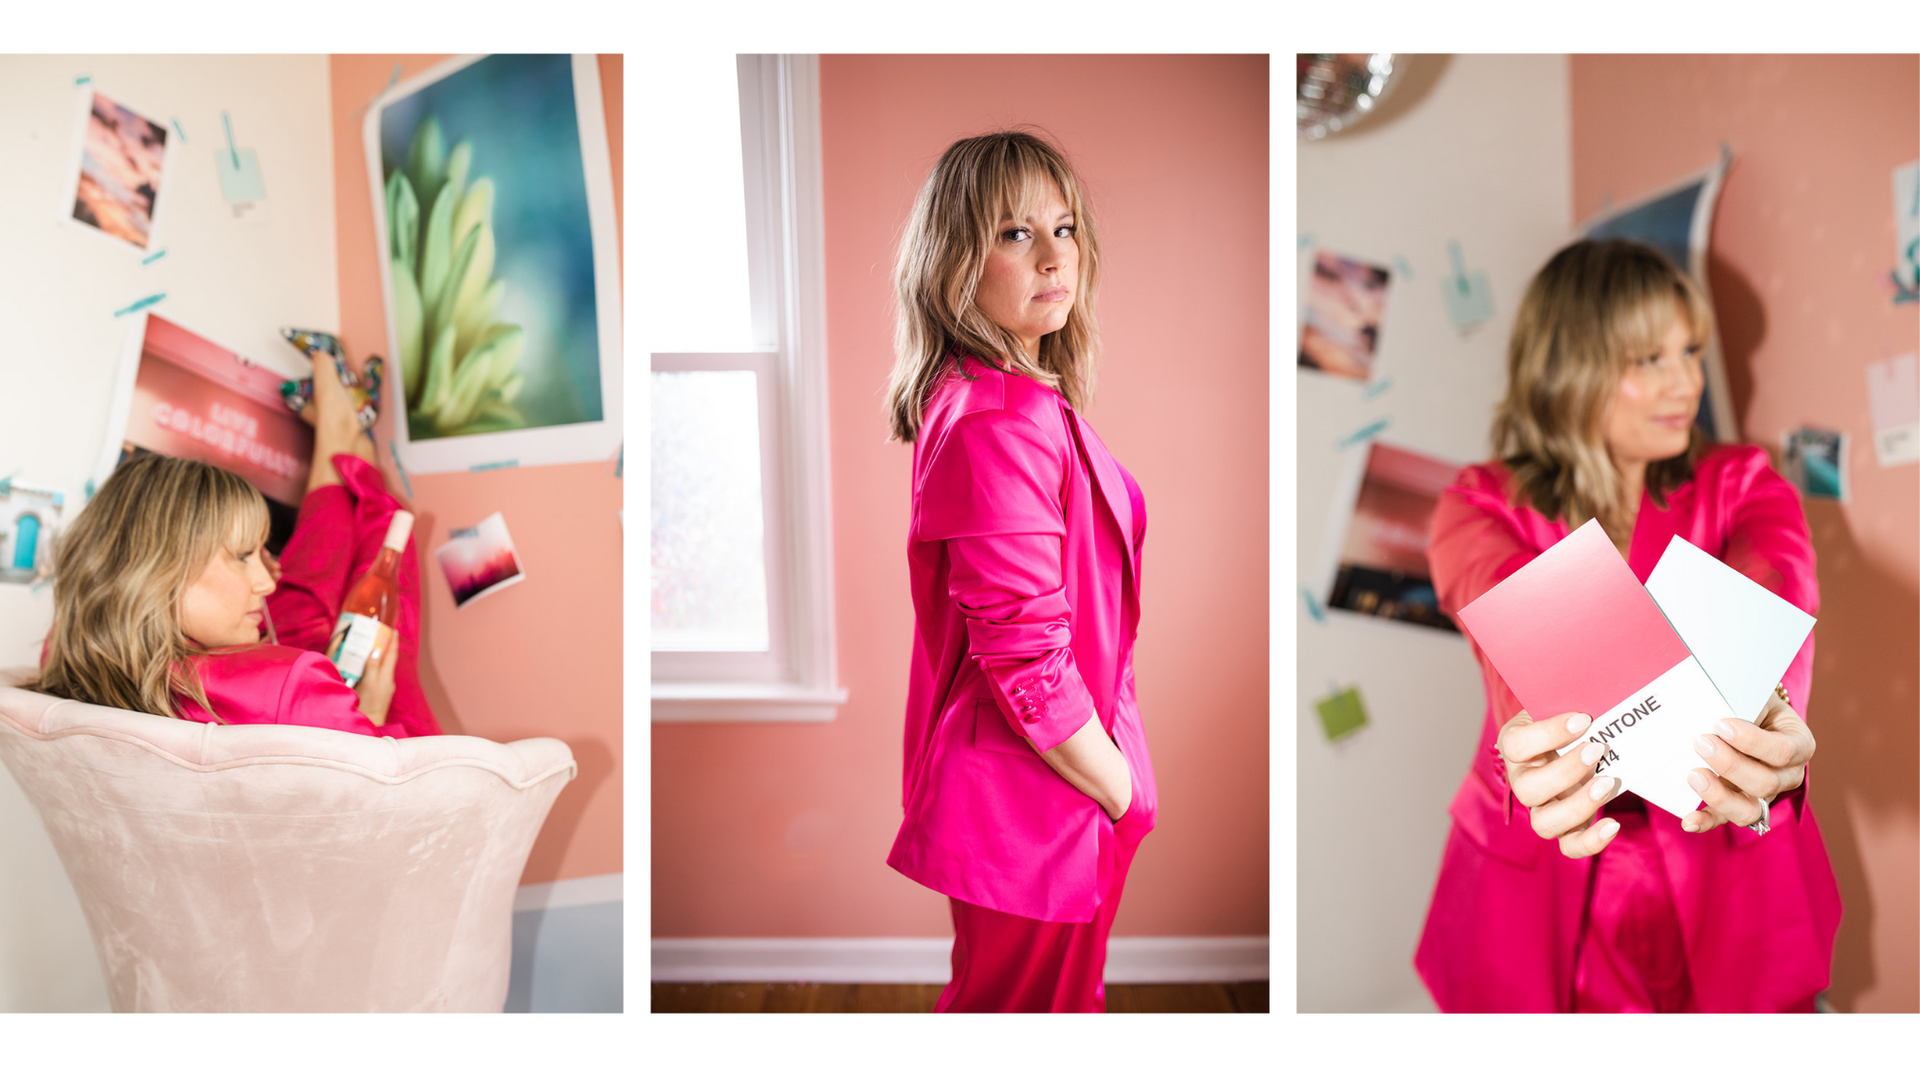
(1469, 298)
(1342, 713)
(240, 184)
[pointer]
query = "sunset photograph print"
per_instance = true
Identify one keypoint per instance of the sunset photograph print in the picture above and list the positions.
(120, 169)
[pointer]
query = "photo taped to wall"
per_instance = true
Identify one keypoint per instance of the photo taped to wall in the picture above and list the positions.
(1346, 300)
(117, 184)
(183, 395)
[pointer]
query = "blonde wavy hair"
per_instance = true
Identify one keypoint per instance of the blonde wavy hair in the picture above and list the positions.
(120, 571)
(1590, 310)
(979, 183)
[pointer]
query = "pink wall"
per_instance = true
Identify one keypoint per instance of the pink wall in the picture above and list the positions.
(543, 658)
(783, 829)
(1802, 241)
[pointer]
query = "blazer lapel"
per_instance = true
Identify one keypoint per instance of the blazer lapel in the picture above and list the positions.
(1113, 488)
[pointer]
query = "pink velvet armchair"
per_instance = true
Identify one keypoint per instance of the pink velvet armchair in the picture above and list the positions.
(284, 868)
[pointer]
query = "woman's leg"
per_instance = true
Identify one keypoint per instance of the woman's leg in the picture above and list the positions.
(1002, 962)
(1006, 963)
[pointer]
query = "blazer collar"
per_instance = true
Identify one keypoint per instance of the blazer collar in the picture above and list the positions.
(1106, 475)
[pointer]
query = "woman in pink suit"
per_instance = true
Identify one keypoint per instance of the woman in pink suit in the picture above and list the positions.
(1027, 780)
(163, 583)
(1555, 894)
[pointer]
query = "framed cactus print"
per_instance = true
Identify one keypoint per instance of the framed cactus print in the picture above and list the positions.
(493, 202)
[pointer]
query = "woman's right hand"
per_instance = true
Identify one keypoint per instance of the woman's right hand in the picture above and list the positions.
(1561, 792)
(376, 686)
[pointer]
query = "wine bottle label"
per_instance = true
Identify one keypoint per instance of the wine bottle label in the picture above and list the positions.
(354, 639)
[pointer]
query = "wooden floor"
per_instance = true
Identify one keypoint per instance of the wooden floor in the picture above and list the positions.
(818, 998)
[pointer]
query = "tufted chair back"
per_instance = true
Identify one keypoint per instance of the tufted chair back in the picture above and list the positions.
(284, 868)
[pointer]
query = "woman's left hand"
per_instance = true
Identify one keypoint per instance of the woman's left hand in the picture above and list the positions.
(1752, 763)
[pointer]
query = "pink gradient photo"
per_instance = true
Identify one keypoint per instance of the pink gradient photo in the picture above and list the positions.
(479, 560)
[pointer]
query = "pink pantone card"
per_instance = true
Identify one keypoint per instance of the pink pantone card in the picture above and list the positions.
(1573, 631)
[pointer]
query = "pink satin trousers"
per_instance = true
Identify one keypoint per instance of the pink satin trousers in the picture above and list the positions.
(1632, 953)
(1008, 963)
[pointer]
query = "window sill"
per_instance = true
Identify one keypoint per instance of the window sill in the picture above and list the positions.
(744, 702)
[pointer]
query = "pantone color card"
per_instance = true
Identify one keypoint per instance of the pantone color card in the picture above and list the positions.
(1574, 631)
(1744, 636)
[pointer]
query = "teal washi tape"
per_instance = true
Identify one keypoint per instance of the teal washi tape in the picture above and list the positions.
(498, 465)
(1313, 605)
(1364, 432)
(143, 302)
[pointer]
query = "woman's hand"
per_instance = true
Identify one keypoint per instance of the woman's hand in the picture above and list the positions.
(1560, 792)
(376, 685)
(1090, 762)
(1752, 763)
(336, 425)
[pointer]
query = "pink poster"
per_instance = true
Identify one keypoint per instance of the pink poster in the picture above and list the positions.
(1383, 556)
(196, 400)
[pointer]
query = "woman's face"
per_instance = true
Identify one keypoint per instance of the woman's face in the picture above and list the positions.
(226, 604)
(1654, 404)
(1032, 272)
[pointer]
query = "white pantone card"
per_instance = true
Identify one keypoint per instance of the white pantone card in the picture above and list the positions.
(1743, 635)
(1649, 736)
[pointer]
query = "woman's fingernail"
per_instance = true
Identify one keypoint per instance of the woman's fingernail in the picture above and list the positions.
(1689, 825)
(1699, 780)
(1704, 746)
(1579, 723)
(1601, 788)
(1724, 728)
(1591, 752)
(1608, 828)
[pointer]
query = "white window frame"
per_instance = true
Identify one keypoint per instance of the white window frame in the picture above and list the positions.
(795, 680)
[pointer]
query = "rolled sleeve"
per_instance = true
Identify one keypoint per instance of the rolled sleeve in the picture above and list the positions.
(314, 695)
(1472, 547)
(994, 491)
(1020, 632)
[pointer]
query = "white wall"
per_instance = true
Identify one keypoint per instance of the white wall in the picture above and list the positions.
(1483, 158)
(237, 283)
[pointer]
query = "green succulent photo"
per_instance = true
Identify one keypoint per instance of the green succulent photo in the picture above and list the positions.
(458, 361)
(504, 291)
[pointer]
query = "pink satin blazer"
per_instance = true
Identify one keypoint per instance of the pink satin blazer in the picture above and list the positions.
(1759, 914)
(1024, 559)
(335, 540)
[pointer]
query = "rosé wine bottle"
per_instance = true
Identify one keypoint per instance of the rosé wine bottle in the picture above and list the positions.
(367, 619)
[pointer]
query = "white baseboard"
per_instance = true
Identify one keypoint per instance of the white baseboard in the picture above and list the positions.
(538, 896)
(925, 960)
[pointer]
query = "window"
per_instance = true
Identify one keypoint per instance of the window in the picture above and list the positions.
(741, 597)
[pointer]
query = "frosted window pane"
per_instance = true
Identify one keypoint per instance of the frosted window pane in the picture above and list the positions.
(699, 271)
(709, 562)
